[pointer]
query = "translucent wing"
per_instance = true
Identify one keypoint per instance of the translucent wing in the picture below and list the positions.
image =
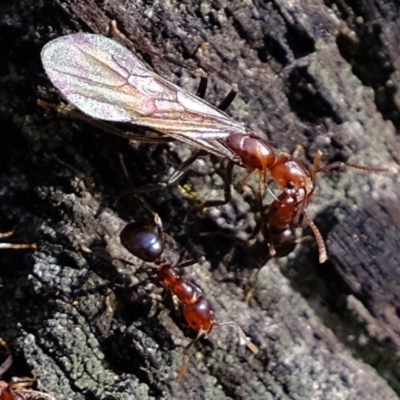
(106, 81)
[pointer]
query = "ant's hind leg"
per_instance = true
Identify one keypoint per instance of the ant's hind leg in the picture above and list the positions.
(215, 203)
(172, 179)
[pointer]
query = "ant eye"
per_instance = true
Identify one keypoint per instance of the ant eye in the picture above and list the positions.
(193, 324)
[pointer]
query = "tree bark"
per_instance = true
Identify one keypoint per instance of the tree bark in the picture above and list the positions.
(323, 75)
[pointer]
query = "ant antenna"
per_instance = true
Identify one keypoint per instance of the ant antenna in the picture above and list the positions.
(186, 353)
(341, 164)
(243, 339)
(323, 256)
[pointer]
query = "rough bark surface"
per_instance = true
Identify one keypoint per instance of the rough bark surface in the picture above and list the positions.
(324, 75)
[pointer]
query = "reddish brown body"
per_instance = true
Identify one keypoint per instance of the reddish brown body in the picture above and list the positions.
(280, 220)
(146, 242)
(197, 310)
(142, 241)
(9, 394)
(257, 155)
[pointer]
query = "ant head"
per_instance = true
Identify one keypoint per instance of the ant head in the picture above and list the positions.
(142, 240)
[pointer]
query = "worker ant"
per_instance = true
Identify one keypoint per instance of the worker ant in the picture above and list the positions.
(146, 242)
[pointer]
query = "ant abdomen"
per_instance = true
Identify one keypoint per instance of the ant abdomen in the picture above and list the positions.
(143, 241)
(197, 310)
(200, 316)
(281, 243)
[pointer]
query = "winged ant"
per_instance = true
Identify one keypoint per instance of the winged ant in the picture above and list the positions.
(107, 82)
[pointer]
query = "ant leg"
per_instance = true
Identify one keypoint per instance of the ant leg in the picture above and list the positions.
(201, 90)
(252, 286)
(183, 167)
(8, 361)
(173, 178)
(298, 151)
(315, 167)
(227, 190)
(341, 164)
(228, 174)
(272, 251)
(227, 101)
(187, 263)
(24, 246)
(7, 234)
(242, 336)
(186, 353)
(17, 246)
(146, 204)
(180, 171)
(323, 256)
(23, 383)
(215, 203)
(104, 257)
(6, 365)
(261, 191)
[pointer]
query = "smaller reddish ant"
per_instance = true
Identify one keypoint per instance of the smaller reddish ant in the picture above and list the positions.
(285, 214)
(18, 388)
(146, 242)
